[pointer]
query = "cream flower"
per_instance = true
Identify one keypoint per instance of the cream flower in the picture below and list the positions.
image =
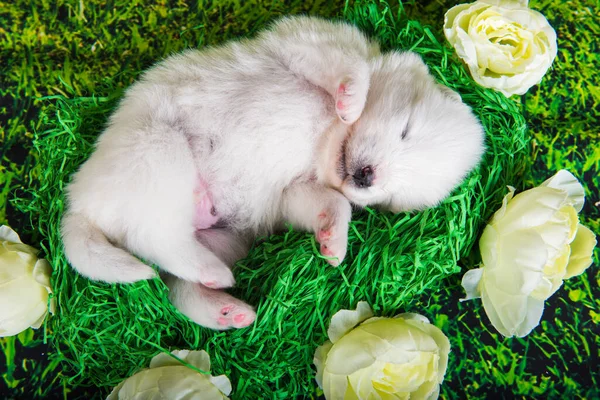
(24, 285)
(507, 46)
(169, 379)
(382, 358)
(530, 246)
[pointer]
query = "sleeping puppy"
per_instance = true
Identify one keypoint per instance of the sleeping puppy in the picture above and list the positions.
(213, 147)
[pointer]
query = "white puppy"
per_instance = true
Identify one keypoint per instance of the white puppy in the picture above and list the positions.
(213, 147)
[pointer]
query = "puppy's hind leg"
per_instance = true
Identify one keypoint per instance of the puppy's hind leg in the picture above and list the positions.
(225, 244)
(207, 307)
(184, 256)
(159, 216)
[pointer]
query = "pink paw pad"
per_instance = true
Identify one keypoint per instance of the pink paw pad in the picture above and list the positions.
(350, 98)
(243, 320)
(226, 310)
(326, 251)
(323, 235)
(238, 320)
(339, 104)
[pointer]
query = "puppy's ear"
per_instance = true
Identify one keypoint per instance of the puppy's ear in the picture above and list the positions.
(451, 94)
(416, 63)
(406, 60)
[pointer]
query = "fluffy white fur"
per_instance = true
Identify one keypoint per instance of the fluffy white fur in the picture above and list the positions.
(279, 127)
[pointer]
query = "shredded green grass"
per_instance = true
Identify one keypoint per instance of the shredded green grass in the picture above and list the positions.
(103, 333)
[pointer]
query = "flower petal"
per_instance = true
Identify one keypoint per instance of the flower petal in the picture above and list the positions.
(13, 268)
(529, 209)
(40, 320)
(335, 386)
(507, 3)
(7, 246)
(554, 272)
(344, 320)
(165, 360)
(33, 318)
(361, 381)
(513, 315)
(582, 249)
(9, 235)
(356, 350)
(413, 317)
(42, 272)
(320, 359)
(184, 383)
(470, 282)
(558, 232)
(443, 345)
(428, 391)
(502, 210)
(23, 303)
(449, 21)
(199, 359)
(520, 264)
(114, 394)
(222, 383)
(566, 181)
(535, 309)
(493, 310)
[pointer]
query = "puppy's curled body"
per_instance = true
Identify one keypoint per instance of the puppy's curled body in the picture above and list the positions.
(212, 147)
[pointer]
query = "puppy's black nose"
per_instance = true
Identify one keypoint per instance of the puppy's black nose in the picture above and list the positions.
(363, 177)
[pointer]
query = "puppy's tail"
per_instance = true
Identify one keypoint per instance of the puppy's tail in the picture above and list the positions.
(94, 257)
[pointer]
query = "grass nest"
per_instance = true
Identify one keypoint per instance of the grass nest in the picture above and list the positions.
(104, 333)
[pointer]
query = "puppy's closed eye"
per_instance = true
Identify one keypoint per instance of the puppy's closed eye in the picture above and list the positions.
(405, 131)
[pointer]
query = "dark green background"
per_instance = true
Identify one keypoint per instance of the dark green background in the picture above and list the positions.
(46, 49)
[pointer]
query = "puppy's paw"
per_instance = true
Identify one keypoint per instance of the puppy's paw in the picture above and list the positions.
(216, 275)
(235, 314)
(332, 234)
(351, 97)
(210, 308)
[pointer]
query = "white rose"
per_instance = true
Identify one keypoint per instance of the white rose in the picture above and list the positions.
(507, 46)
(169, 379)
(530, 246)
(382, 358)
(24, 285)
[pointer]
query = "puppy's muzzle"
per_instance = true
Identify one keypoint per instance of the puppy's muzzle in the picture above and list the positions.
(363, 177)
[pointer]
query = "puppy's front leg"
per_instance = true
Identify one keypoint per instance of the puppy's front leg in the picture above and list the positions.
(332, 57)
(322, 210)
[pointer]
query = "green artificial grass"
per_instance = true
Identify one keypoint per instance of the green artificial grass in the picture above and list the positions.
(103, 333)
(88, 52)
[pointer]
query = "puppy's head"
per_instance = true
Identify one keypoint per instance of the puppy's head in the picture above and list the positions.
(414, 142)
